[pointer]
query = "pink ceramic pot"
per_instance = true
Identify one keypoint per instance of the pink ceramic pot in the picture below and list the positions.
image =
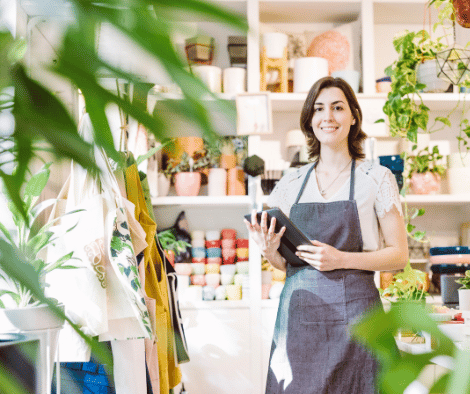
(228, 244)
(426, 183)
(187, 183)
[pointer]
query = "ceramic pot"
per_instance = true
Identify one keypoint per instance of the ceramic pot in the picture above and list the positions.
(352, 77)
(275, 43)
(426, 73)
(307, 71)
(236, 182)
(170, 255)
(184, 144)
(187, 183)
(228, 161)
(464, 299)
(163, 185)
(426, 183)
(462, 12)
(217, 182)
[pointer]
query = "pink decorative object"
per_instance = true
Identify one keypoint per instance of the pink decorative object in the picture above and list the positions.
(187, 183)
(214, 260)
(332, 46)
(229, 233)
(426, 183)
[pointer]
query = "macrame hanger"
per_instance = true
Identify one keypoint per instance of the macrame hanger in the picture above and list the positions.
(123, 141)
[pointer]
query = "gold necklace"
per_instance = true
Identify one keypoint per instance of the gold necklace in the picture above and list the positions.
(323, 190)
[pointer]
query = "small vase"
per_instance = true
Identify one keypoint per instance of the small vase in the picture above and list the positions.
(217, 182)
(236, 182)
(426, 73)
(163, 185)
(464, 299)
(187, 183)
(425, 183)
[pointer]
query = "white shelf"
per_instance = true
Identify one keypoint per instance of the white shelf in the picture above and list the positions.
(293, 102)
(444, 199)
(241, 304)
(202, 200)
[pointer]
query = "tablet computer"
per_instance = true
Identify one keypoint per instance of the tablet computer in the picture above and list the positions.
(292, 237)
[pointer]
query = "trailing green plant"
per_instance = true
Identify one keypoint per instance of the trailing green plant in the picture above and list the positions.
(168, 241)
(425, 161)
(406, 286)
(465, 281)
(29, 239)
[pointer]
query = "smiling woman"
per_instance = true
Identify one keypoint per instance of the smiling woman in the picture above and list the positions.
(345, 206)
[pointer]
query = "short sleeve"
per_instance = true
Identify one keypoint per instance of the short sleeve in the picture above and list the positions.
(279, 197)
(388, 195)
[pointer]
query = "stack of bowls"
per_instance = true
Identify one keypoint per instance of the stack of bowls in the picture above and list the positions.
(450, 255)
(228, 244)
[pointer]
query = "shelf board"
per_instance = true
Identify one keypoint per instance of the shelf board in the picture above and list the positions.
(445, 199)
(241, 304)
(308, 11)
(422, 199)
(293, 102)
(202, 200)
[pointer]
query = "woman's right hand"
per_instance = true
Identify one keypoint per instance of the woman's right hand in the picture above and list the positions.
(267, 240)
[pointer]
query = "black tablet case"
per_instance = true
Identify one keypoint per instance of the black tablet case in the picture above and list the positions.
(292, 237)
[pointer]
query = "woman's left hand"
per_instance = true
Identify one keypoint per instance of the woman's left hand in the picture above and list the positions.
(321, 256)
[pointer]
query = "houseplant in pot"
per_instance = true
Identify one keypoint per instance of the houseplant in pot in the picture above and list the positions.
(217, 176)
(172, 246)
(186, 172)
(424, 171)
(20, 309)
(464, 292)
(410, 285)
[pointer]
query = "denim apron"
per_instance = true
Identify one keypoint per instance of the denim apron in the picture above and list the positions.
(312, 352)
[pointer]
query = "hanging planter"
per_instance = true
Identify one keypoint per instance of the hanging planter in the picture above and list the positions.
(462, 12)
(427, 73)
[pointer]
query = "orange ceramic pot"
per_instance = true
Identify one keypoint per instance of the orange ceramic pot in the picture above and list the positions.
(184, 144)
(426, 183)
(187, 183)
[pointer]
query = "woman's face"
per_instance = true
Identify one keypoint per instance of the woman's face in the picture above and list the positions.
(332, 117)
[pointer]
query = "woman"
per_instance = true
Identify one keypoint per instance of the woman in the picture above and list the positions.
(350, 210)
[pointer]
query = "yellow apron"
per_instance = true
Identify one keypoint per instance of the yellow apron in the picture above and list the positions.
(155, 285)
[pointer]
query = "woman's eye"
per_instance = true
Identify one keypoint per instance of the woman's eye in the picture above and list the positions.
(338, 108)
(317, 109)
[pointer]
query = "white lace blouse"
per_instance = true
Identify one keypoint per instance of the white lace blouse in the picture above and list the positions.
(376, 192)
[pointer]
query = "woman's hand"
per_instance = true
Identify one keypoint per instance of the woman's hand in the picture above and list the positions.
(267, 240)
(320, 256)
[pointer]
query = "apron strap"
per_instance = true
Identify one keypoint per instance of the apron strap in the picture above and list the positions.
(305, 182)
(351, 185)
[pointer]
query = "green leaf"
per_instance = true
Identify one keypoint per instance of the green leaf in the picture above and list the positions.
(446, 121)
(38, 182)
(59, 263)
(380, 121)
(149, 154)
(410, 227)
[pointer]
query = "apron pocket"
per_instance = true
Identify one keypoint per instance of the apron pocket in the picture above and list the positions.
(323, 303)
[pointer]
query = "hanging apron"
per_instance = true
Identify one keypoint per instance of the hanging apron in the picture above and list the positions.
(312, 352)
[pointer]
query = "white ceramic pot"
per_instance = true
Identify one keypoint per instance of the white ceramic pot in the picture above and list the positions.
(458, 180)
(426, 73)
(274, 44)
(211, 76)
(217, 182)
(163, 185)
(234, 80)
(464, 299)
(352, 77)
(37, 322)
(307, 71)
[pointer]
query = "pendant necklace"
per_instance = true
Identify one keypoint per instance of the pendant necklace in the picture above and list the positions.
(323, 190)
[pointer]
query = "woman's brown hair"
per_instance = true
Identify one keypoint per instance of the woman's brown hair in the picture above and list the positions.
(356, 134)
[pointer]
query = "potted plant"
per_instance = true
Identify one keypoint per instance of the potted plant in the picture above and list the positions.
(410, 285)
(171, 246)
(19, 307)
(424, 171)
(186, 172)
(228, 158)
(30, 240)
(464, 292)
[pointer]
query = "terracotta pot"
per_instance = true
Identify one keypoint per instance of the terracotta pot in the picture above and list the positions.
(187, 183)
(170, 255)
(462, 12)
(184, 144)
(228, 161)
(236, 182)
(426, 183)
